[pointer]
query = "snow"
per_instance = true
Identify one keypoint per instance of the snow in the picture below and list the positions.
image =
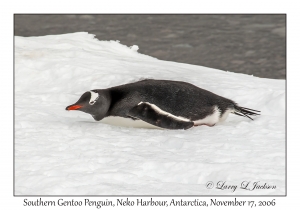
(68, 153)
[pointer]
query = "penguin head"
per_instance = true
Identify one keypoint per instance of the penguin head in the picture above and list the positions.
(93, 103)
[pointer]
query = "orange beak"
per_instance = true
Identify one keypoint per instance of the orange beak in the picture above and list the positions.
(73, 107)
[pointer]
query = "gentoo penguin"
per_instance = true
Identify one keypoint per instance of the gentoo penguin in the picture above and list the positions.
(163, 103)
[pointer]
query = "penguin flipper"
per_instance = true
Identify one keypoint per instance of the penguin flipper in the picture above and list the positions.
(155, 116)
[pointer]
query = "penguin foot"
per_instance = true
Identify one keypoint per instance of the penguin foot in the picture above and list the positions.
(205, 124)
(133, 118)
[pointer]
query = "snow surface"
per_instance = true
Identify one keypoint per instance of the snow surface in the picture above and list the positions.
(68, 153)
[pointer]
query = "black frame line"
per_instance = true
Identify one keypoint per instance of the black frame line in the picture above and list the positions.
(149, 195)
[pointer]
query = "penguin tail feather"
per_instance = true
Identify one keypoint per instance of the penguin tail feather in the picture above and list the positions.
(245, 112)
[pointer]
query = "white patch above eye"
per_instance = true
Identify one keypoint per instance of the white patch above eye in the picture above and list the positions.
(94, 97)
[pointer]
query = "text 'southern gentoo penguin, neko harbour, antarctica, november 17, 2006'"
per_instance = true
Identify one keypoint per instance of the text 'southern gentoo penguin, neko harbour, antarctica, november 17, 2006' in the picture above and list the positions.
(163, 103)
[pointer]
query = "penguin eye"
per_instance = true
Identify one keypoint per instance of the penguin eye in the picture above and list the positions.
(92, 102)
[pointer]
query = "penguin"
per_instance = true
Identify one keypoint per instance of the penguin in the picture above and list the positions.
(163, 103)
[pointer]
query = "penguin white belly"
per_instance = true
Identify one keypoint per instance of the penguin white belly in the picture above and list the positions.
(126, 122)
(210, 119)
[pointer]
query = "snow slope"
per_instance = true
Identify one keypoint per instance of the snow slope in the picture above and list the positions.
(68, 153)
